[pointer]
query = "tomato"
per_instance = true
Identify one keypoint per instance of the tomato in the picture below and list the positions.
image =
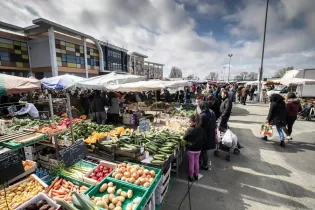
(95, 178)
(96, 170)
(100, 179)
(101, 168)
(100, 174)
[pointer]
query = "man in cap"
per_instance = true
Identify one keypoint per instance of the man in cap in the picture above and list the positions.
(27, 109)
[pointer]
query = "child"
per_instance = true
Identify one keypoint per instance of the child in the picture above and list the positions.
(194, 138)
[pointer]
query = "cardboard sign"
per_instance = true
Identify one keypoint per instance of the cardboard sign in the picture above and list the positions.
(10, 166)
(74, 153)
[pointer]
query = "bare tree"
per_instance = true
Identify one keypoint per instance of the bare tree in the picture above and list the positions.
(191, 76)
(252, 76)
(212, 76)
(238, 78)
(244, 75)
(176, 72)
(282, 72)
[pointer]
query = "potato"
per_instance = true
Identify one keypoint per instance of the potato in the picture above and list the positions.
(115, 200)
(137, 200)
(118, 203)
(105, 199)
(121, 199)
(111, 196)
(110, 190)
(100, 204)
(110, 184)
(103, 188)
(129, 206)
(123, 193)
(117, 208)
(129, 194)
(119, 191)
(111, 206)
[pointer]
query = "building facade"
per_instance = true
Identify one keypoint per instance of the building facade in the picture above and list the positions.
(138, 66)
(48, 49)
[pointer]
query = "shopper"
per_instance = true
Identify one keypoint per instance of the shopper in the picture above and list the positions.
(194, 138)
(293, 108)
(232, 94)
(181, 96)
(98, 106)
(113, 110)
(225, 111)
(277, 115)
(208, 123)
(252, 92)
(187, 96)
(244, 94)
(214, 105)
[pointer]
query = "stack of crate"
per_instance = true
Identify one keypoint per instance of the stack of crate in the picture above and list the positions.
(162, 187)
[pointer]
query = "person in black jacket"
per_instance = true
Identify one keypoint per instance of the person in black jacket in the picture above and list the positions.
(277, 115)
(194, 138)
(214, 105)
(208, 123)
(225, 111)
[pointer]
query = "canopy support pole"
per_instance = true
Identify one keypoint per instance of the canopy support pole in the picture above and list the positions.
(70, 115)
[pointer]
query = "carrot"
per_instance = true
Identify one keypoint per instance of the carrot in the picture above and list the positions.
(70, 183)
(53, 183)
(49, 193)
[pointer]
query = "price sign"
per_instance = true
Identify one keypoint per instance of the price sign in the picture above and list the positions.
(144, 125)
(73, 154)
(10, 166)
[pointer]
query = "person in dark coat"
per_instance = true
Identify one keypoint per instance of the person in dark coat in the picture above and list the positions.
(244, 94)
(194, 138)
(214, 105)
(293, 108)
(277, 115)
(181, 96)
(208, 123)
(225, 111)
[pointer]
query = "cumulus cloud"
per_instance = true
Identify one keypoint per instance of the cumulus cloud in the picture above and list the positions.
(166, 31)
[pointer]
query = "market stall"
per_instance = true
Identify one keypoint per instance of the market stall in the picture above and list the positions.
(12, 84)
(59, 82)
(100, 82)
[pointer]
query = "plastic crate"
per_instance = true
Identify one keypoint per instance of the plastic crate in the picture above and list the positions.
(36, 199)
(85, 164)
(74, 181)
(137, 192)
(153, 185)
(103, 163)
(14, 145)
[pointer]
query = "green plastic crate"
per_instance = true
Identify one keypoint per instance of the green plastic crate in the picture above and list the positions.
(137, 192)
(85, 164)
(15, 145)
(158, 175)
(74, 181)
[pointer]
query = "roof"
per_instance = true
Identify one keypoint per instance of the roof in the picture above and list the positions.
(139, 54)
(42, 25)
(149, 62)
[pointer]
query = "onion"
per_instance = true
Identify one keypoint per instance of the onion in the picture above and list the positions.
(147, 184)
(148, 176)
(140, 172)
(135, 175)
(124, 164)
(131, 180)
(137, 182)
(123, 169)
(127, 174)
(146, 171)
(151, 180)
(123, 178)
(133, 170)
(152, 173)
(141, 180)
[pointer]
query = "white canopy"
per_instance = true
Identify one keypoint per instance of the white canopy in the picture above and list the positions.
(100, 82)
(148, 85)
(297, 81)
(60, 82)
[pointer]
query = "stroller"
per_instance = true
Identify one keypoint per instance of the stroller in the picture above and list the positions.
(307, 112)
(225, 147)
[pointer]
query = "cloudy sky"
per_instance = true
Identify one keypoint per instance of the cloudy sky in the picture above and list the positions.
(194, 35)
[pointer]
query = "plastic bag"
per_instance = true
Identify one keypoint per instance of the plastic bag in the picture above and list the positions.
(235, 140)
(218, 137)
(266, 130)
(227, 139)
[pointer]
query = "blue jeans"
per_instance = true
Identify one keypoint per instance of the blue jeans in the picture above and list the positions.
(279, 129)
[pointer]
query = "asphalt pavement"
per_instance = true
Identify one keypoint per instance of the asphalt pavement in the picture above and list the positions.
(263, 176)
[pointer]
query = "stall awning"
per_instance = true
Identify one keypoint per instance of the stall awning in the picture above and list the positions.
(148, 85)
(60, 82)
(297, 81)
(12, 84)
(100, 82)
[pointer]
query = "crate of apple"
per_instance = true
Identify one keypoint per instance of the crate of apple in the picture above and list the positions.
(101, 171)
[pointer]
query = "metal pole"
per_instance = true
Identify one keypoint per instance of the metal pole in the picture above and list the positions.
(70, 115)
(224, 73)
(262, 56)
(51, 109)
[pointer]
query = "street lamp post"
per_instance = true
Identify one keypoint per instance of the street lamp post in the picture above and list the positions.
(230, 55)
(224, 67)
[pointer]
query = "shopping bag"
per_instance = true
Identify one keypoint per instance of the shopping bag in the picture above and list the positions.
(218, 137)
(266, 130)
(235, 140)
(227, 139)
